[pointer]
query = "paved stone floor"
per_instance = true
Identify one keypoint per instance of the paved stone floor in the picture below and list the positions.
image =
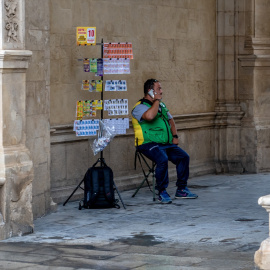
(221, 229)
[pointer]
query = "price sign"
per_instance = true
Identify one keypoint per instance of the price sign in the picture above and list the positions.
(86, 36)
(91, 36)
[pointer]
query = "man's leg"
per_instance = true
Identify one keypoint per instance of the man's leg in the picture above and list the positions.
(154, 153)
(181, 159)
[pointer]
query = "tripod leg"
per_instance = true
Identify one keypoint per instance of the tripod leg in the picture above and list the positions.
(119, 195)
(72, 193)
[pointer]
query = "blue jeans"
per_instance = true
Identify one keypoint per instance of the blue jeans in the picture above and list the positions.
(161, 154)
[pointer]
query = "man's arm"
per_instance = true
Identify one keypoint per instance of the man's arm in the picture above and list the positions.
(174, 131)
(151, 113)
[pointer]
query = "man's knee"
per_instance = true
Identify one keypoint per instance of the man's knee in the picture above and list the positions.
(162, 160)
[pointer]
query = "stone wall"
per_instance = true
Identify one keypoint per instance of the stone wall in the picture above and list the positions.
(38, 101)
(173, 41)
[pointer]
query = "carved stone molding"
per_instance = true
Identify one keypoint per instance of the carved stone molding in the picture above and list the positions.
(12, 20)
(254, 61)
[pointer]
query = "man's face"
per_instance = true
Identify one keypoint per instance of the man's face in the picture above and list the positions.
(157, 88)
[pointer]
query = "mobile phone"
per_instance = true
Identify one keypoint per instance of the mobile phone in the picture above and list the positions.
(151, 93)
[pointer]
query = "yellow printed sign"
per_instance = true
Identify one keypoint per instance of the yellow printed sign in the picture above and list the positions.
(86, 36)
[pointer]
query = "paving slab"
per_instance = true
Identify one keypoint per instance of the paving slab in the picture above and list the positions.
(221, 229)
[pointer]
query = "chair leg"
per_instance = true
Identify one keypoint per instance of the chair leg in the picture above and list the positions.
(153, 182)
(145, 179)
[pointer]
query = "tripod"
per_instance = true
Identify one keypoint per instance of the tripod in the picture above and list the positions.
(103, 164)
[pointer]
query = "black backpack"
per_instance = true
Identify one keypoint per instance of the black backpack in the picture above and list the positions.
(99, 189)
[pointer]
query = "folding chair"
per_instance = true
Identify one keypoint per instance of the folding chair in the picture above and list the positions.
(151, 170)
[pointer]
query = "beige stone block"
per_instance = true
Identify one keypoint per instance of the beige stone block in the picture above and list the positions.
(177, 72)
(148, 50)
(38, 202)
(241, 23)
(201, 5)
(21, 215)
(249, 22)
(203, 27)
(262, 20)
(115, 15)
(61, 19)
(40, 14)
(241, 42)
(242, 5)
(38, 126)
(220, 24)
(139, 21)
(229, 24)
(66, 71)
(13, 112)
(186, 49)
(58, 166)
(39, 149)
(118, 155)
(41, 182)
(36, 70)
(263, 159)
(166, 50)
(171, 22)
(229, 90)
(55, 72)
(204, 70)
(171, 3)
(206, 50)
(220, 5)
(248, 149)
(64, 4)
(76, 167)
(55, 40)
(37, 39)
(205, 150)
(229, 5)
(229, 45)
(229, 62)
(65, 96)
(37, 98)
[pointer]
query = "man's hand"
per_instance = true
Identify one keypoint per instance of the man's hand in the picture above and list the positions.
(175, 141)
(157, 96)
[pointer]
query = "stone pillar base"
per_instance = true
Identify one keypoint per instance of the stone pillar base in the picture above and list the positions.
(16, 166)
(262, 256)
(16, 170)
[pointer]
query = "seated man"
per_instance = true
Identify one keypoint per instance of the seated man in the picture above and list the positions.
(156, 137)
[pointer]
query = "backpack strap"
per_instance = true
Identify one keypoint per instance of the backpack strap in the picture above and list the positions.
(108, 185)
(109, 188)
(95, 186)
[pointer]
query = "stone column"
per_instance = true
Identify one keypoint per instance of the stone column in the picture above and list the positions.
(255, 90)
(228, 110)
(16, 167)
(262, 256)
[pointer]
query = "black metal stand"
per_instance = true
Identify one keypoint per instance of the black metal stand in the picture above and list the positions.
(101, 159)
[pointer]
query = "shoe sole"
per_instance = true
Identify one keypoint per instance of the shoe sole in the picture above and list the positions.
(165, 202)
(185, 197)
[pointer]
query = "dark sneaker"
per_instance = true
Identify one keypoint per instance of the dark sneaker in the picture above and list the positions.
(164, 197)
(185, 194)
